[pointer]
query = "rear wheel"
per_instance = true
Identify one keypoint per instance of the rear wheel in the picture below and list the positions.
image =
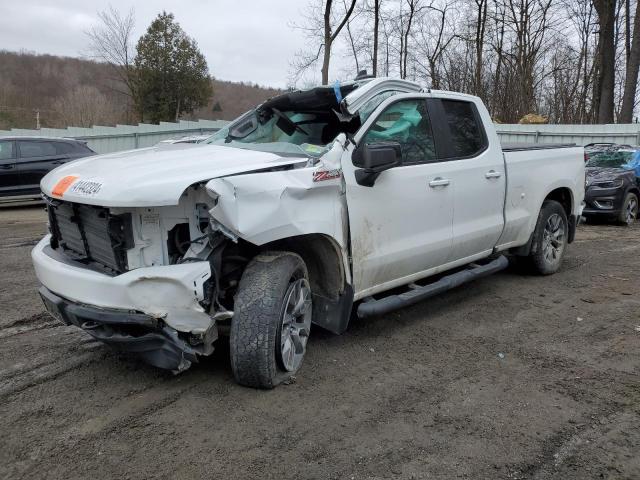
(629, 211)
(550, 239)
(272, 320)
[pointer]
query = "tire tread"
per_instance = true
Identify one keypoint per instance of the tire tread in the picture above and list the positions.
(257, 308)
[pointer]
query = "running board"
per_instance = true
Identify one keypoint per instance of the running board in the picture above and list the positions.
(417, 293)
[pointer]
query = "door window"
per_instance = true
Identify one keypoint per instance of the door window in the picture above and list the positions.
(467, 135)
(7, 151)
(64, 148)
(367, 109)
(407, 123)
(36, 149)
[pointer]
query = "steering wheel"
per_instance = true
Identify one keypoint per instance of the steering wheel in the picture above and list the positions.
(289, 122)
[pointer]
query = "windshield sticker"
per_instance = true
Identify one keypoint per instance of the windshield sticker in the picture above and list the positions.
(312, 149)
(86, 188)
(63, 185)
(323, 175)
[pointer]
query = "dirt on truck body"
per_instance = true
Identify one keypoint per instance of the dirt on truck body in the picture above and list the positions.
(515, 377)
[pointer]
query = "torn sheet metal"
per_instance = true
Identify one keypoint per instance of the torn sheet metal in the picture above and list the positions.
(268, 206)
(360, 96)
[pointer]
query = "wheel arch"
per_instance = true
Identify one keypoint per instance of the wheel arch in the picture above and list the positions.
(332, 294)
(635, 190)
(564, 196)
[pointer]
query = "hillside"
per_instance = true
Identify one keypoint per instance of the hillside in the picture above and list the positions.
(72, 91)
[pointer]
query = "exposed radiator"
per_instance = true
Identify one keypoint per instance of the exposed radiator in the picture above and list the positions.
(91, 234)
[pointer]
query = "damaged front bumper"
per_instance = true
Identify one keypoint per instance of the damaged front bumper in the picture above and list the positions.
(137, 333)
(155, 312)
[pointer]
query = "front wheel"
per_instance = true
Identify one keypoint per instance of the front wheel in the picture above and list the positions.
(271, 321)
(550, 238)
(629, 211)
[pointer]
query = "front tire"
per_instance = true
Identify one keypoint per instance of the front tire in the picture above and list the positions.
(272, 320)
(629, 211)
(550, 239)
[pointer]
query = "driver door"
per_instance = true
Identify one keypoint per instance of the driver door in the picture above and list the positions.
(402, 226)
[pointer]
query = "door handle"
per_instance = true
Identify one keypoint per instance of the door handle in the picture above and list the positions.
(6, 167)
(439, 182)
(492, 174)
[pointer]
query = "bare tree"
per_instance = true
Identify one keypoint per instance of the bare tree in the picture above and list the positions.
(84, 106)
(480, 31)
(322, 28)
(633, 66)
(376, 33)
(605, 73)
(112, 42)
(352, 41)
(435, 36)
(563, 59)
(330, 35)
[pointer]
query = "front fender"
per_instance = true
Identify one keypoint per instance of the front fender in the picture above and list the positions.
(269, 206)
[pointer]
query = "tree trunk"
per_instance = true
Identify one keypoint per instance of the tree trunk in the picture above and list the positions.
(327, 43)
(631, 79)
(481, 21)
(376, 29)
(405, 56)
(330, 36)
(605, 82)
(354, 51)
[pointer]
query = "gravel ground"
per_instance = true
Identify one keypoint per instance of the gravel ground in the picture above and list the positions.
(509, 377)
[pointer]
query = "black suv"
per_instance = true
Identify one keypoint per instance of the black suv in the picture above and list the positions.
(25, 160)
(612, 191)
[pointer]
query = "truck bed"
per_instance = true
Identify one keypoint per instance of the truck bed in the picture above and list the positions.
(533, 171)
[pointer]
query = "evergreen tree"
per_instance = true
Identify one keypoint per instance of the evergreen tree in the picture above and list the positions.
(172, 74)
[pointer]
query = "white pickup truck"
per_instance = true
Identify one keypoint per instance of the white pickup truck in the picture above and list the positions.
(378, 193)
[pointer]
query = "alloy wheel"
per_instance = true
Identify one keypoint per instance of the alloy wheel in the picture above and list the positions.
(295, 324)
(553, 238)
(632, 209)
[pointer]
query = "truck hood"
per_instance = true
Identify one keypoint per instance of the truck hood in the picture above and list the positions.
(155, 176)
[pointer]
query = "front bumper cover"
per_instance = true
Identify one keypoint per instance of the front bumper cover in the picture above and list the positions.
(614, 196)
(172, 293)
(132, 332)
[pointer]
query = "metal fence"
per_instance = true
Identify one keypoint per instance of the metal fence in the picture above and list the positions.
(125, 137)
(579, 134)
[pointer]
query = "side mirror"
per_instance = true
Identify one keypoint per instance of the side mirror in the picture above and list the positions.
(373, 159)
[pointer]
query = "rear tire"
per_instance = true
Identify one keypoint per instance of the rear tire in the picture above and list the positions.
(271, 321)
(629, 210)
(550, 239)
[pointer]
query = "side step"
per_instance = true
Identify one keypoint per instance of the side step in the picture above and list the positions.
(418, 293)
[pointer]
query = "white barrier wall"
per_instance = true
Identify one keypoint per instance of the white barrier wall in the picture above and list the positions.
(125, 137)
(579, 134)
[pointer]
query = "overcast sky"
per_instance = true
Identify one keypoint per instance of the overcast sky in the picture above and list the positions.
(246, 40)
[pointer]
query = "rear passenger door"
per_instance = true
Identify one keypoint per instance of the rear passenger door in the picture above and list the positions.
(477, 174)
(9, 177)
(37, 158)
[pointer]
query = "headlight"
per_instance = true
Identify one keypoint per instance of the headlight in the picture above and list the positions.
(608, 184)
